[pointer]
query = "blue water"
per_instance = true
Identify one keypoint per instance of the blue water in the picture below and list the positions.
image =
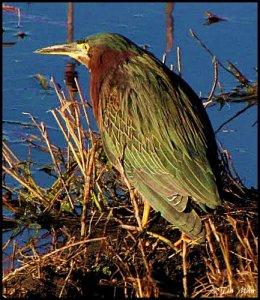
(144, 23)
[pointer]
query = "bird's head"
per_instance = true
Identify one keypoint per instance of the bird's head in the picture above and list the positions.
(95, 50)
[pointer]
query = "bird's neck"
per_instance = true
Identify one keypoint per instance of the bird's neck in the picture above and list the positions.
(105, 63)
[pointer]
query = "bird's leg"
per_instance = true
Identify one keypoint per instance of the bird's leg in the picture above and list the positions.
(146, 212)
(184, 239)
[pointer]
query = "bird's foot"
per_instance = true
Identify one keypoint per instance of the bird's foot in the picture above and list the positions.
(184, 238)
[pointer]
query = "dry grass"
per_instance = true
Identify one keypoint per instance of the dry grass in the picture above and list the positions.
(103, 250)
(224, 278)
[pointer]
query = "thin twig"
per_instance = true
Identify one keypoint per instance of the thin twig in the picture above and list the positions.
(209, 100)
(164, 58)
(207, 49)
(184, 268)
(179, 61)
(232, 118)
(87, 190)
(72, 264)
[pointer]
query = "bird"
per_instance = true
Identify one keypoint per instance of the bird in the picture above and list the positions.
(152, 122)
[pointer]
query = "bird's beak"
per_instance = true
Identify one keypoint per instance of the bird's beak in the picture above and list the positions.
(71, 50)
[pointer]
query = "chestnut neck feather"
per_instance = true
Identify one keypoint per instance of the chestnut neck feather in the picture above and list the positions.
(101, 64)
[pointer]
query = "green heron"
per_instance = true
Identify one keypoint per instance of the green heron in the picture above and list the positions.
(150, 117)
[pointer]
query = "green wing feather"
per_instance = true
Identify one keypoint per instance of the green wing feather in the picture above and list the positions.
(163, 133)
